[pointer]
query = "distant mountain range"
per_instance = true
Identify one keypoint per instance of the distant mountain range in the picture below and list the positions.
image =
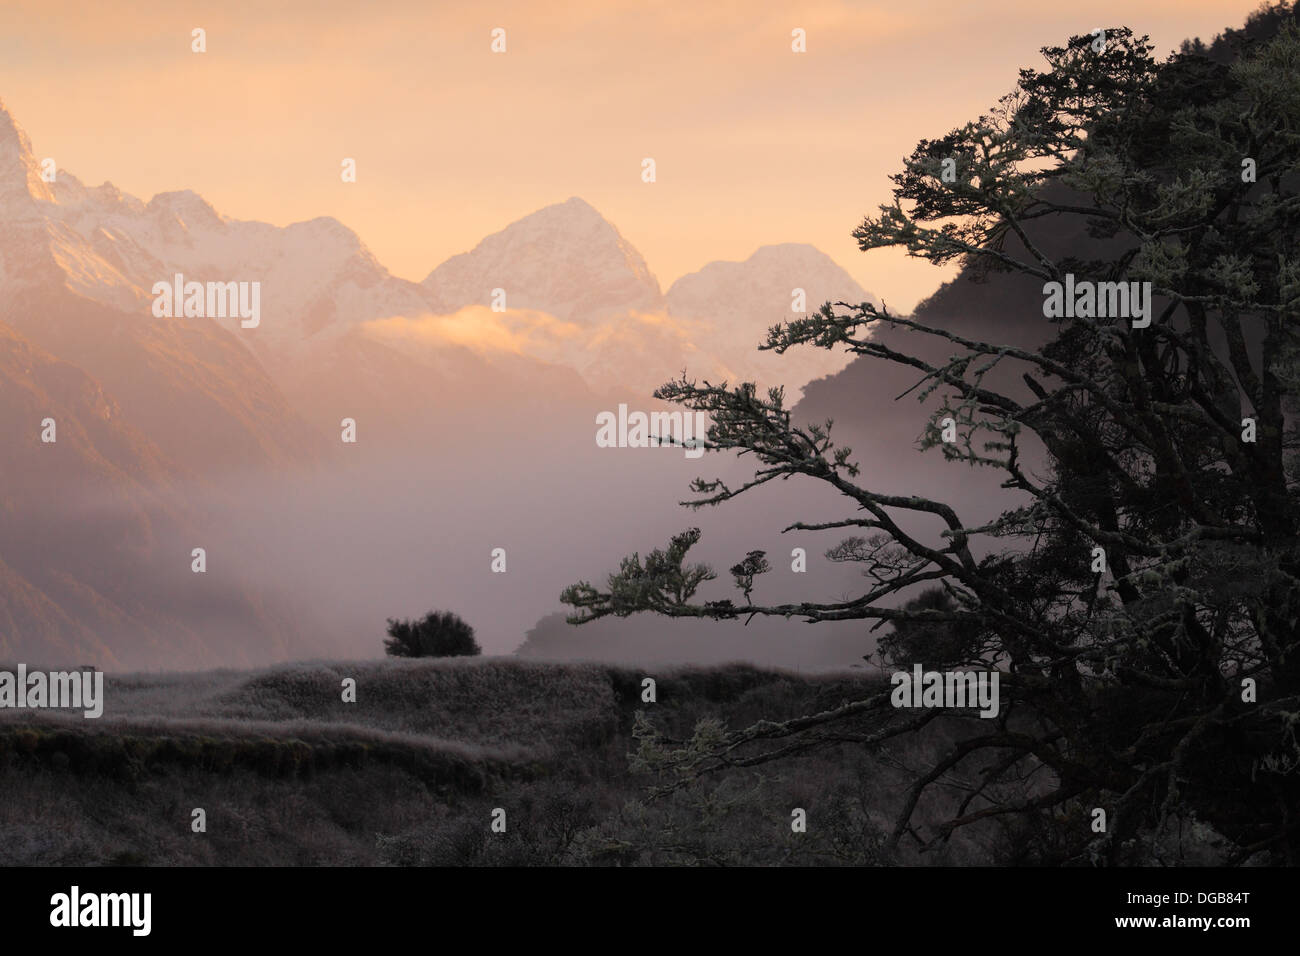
(577, 293)
(159, 417)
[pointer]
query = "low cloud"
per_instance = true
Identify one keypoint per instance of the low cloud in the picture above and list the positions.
(632, 350)
(477, 327)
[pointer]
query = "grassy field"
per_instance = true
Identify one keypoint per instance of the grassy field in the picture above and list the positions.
(409, 774)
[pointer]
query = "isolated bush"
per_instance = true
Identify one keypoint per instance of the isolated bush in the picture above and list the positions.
(437, 634)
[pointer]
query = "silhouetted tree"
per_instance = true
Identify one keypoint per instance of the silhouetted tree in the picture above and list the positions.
(1144, 606)
(437, 634)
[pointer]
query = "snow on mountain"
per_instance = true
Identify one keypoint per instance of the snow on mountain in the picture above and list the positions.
(76, 269)
(566, 260)
(579, 295)
(20, 177)
(727, 308)
(317, 279)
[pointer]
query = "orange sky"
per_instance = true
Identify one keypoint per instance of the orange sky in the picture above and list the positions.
(754, 144)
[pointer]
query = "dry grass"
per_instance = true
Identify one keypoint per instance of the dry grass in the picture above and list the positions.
(409, 774)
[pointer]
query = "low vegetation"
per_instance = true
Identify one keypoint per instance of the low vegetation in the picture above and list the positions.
(289, 774)
(437, 634)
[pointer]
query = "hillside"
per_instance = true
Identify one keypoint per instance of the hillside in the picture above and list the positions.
(95, 532)
(289, 774)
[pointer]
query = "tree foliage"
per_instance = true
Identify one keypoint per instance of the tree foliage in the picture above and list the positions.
(933, 645)
(1122, 690)
(437, 634)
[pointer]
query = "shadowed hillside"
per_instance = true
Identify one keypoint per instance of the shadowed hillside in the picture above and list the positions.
(289, 774)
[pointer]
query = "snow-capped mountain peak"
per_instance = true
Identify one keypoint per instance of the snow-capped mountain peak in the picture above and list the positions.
(20, 174)
(565, 259)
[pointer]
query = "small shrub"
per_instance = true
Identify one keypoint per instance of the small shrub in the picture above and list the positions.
(437, 634)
